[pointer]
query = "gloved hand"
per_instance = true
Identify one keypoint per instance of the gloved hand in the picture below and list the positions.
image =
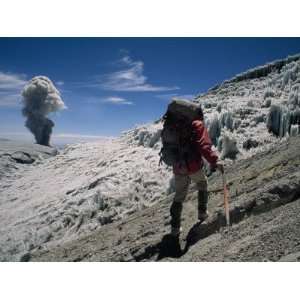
(220, 167)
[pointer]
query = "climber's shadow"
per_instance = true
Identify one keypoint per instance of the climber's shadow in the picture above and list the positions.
(169, 247)
(196, 233)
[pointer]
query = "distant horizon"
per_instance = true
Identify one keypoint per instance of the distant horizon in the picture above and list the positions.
(111, 85)
(56, 139)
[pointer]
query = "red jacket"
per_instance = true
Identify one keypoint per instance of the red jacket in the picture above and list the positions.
(203, 145)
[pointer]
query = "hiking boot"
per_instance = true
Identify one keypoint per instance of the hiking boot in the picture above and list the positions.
(175, 231)
(202, 205)
(202, 216)
(175, 211)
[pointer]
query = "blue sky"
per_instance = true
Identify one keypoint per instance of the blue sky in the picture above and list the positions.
(112, 84)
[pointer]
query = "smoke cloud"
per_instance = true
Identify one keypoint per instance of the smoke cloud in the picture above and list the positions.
(40, 97)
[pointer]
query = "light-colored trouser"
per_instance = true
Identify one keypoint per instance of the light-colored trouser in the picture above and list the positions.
(182, 183)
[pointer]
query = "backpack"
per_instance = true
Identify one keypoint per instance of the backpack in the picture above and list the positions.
(177, 135)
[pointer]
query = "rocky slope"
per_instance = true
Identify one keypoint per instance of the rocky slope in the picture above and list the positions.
(86, 187)
(264, 208)
(14, 155)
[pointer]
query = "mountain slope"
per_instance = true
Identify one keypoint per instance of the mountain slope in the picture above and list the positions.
(89, 186)
(265, 207)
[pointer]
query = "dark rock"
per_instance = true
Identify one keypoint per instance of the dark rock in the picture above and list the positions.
(22, 158)
(250, 143)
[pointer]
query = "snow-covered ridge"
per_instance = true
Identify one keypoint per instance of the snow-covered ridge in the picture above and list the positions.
(251, 112)
(147, 135)
(247, 112)
(260, 71)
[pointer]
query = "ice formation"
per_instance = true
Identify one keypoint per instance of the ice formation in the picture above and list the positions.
(214, 128)
(84, 187)
(228, 146)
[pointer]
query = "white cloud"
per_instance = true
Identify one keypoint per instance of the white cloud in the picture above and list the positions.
(10, 89)
(117, 101)
(171, 96)
(130, 78)
(9, 100)
(166, 96)
(11, 81)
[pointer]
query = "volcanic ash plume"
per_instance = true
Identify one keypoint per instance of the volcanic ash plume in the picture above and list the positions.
(40, 97)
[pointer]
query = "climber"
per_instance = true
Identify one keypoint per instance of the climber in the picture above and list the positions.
(193, 142)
